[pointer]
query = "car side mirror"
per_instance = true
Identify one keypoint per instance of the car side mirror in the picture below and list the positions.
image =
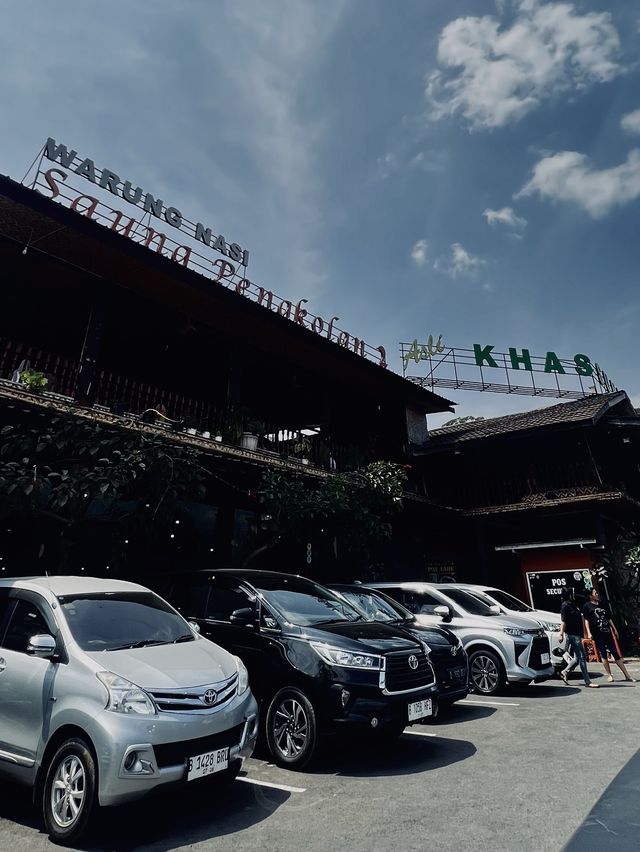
(194, 626)
(496, 609)
(244, 617)
(443, 611)
(42, 645)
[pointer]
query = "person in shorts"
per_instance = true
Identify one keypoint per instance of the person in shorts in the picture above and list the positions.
(573, 628)
(602, 631)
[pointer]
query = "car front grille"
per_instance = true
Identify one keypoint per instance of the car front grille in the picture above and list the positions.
(195, 698)
(173, 754)
(539, 646)
(399, 676)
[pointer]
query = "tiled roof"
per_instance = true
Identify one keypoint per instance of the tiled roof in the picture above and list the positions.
(591, 408)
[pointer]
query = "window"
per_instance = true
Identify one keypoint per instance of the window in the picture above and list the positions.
(223, 601)
(420, 603)
(26, 621)
(113, 621)
(469, 602)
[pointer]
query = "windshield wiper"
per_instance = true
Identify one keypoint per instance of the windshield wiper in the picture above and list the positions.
(188, 637)
(144, 643)
(338, 621)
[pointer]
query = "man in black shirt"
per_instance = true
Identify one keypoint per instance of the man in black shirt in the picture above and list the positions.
(572, 627)
(602, 630)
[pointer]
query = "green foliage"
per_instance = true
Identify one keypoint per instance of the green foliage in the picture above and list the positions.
(34, 380)
(460, 421)
(622, 562)
(61, 466)
(355, 507)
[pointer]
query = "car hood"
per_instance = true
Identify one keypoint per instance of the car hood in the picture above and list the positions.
(544, 615)
(363, 636)
(180, 666)
(485, 622)
(431, 634)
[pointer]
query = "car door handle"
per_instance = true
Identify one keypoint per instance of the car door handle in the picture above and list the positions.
(3, 664)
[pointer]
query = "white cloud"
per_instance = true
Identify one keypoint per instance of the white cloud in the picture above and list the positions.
(569, 176)
(459, 262)
(419, 253)
(631, 122)
(494, 75)
(505, 216)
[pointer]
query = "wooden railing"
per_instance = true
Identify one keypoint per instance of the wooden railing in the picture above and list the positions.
(125, 395)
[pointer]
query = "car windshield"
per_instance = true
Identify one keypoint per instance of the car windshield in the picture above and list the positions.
(374, 607)
(470, 602)
(508, 601)
(305, 603)
(116, 620)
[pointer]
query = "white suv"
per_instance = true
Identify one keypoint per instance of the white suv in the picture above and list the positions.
(510, 605)
(501, 649)
(107, 693)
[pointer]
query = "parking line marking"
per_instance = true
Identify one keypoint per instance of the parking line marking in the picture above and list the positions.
(420, 734)
(284, 787)
(490, 703)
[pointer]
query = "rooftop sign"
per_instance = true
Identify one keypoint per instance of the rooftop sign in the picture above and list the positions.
(225, 262)
(516, 371)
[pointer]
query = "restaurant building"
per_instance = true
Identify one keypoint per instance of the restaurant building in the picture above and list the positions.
(147, 330)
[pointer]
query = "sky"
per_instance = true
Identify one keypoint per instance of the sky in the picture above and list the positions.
(469, 168)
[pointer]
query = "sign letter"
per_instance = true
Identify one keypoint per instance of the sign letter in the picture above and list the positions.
(552, 364)
(483, 355)
(583, 365)
(524, 359)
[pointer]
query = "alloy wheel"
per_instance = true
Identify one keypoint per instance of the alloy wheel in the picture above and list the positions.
(290, 728)
(68, 791)
(485, 674)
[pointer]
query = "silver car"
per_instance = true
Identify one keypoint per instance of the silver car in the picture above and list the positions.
(107, 693)
(501, 649)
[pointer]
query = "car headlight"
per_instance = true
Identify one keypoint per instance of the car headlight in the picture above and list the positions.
(243, 676)
(126, 697)
(514, 631)
(551, 626)
(347, 659)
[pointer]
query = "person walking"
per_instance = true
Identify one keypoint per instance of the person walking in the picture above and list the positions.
(572, 627)
(602, 630)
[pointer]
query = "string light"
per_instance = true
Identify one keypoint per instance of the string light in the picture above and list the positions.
(172, 535)
(177, 522)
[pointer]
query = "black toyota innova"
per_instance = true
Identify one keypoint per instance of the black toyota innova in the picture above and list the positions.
(315, 664)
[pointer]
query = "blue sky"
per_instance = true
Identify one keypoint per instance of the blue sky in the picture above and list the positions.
(422, 167)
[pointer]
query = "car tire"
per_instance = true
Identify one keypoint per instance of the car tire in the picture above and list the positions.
(291, 728)
(69, 796)
(486, 672)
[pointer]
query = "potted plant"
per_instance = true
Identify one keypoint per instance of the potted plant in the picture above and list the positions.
(253, 429)
(302, 448)
(34, 381)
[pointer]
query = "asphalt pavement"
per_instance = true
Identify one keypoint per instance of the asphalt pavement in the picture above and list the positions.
(547, 767)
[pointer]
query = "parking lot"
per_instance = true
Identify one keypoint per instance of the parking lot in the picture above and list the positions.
(547, 767)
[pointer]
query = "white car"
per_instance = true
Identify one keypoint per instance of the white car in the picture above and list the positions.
(510, 605)
(502, 649)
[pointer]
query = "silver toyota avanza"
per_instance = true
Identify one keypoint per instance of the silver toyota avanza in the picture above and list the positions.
(106, 693)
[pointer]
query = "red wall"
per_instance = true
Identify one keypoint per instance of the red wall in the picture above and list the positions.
(552, 559)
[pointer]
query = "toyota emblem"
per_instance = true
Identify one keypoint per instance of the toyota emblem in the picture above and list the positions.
(209, 697)
(454, 650)
(413, 662)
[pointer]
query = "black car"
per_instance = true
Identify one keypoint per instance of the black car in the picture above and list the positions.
(447, 655)
(315, 664)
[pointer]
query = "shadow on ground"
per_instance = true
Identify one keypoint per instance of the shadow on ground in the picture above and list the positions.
(550, 689)
(371, 757)
(613, 824)
(163, 821)
(461, 713)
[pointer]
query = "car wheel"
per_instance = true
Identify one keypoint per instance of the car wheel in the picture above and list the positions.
(291, 728)
(69, 794)
(485, 672)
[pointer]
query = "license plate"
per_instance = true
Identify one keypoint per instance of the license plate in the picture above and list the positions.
(545, 658)
(420, 709)
(208, 763)
(456, 674)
